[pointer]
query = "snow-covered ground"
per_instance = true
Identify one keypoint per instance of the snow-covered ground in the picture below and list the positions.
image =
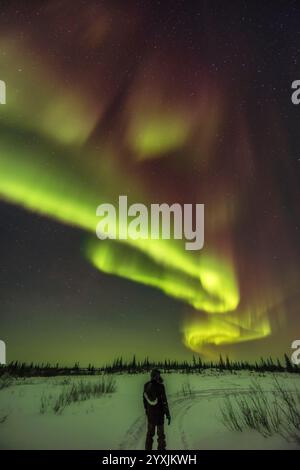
(117, 421)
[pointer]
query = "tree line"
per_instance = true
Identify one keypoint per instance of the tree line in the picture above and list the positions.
(134, 366)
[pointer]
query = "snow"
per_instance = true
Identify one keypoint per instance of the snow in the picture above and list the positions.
(117, 421)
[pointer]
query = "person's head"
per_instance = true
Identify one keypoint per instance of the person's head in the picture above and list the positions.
(155, 375)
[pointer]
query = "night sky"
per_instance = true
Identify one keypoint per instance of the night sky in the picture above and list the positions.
(167, 101)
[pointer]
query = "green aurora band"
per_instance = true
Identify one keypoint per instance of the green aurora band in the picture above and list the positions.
(46, 167)
(63, 193)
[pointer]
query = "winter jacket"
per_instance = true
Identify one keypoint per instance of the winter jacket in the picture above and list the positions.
(155, 402)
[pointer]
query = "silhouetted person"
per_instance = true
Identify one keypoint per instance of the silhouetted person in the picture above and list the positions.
(156, 407)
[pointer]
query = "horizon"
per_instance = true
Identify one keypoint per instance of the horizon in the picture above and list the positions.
(167, 362)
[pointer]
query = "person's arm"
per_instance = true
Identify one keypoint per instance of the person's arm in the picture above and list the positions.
(144, 400)
(165, 404)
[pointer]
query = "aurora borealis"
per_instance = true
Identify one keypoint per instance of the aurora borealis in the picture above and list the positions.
(165, 103)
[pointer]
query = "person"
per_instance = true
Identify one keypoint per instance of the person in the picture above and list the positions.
(156, 408)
